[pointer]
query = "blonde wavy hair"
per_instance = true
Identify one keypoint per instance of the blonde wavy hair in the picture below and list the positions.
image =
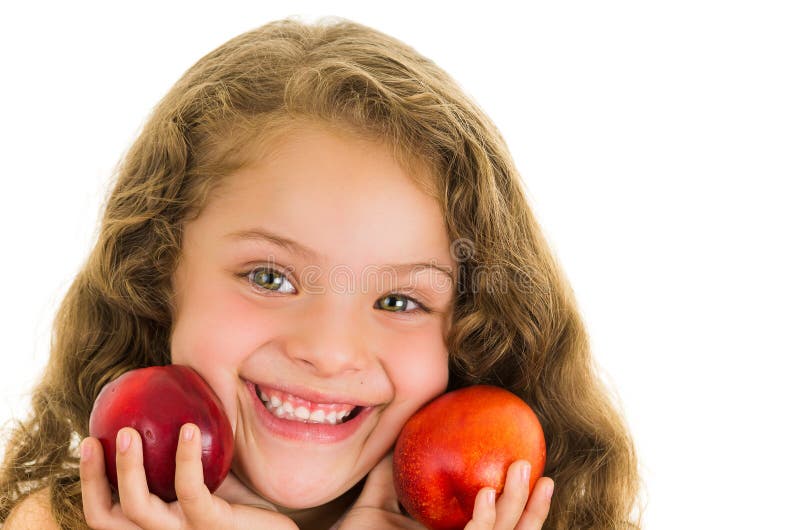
(515, 323)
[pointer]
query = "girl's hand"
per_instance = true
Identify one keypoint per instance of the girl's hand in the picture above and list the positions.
(514, 510)
(378, 507)
(196, 507)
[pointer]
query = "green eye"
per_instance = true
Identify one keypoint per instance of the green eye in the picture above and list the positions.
(271, 280)
(398, 304)
(268, 279)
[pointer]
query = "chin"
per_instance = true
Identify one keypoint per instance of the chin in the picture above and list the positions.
(296, 501)
(300, 487)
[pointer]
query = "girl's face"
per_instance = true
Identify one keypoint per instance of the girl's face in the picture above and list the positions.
(297, 287)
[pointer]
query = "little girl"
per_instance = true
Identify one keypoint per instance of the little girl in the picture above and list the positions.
(319, 222)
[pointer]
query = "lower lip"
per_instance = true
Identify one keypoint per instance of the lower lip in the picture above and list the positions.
(307, 432)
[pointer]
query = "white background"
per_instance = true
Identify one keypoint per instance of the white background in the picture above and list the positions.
(660, 143)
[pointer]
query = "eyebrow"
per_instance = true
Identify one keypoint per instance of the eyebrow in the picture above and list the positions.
(259, 234)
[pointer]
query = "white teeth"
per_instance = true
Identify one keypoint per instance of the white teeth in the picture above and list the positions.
(301, 413)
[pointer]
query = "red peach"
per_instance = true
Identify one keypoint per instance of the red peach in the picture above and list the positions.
(156, 401)
(457, 444)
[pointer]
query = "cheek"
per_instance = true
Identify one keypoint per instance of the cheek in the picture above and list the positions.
(418, 368)
(215, 325)
(215, 331)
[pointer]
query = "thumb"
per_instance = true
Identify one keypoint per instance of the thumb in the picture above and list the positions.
(379, 489)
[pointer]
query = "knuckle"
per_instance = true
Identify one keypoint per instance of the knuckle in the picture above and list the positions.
(96, 520)
(484, 523)
(183, 456)
(92, 513)
(189, 494)
(186, 454)
(536, 517)
(92, 519)
(132, 508)
(126, 461)
(521, 494)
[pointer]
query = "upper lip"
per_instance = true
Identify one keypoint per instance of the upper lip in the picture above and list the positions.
(310, 394)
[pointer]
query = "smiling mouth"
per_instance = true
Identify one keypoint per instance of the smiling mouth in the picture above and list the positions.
(292, 408)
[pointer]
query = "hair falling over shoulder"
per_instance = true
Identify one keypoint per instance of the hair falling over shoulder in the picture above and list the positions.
(515, 320)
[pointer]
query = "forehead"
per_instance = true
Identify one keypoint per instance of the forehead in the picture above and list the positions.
(344, 196)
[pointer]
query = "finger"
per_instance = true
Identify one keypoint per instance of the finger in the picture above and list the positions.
(252, 517)
(95, 489)
(515, 495)
(483, 514)
(195, 500)
(538, 505)
(138, 504)
(379, 489)
(199, 507)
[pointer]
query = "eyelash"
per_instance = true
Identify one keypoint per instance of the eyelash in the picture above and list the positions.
(247, 276)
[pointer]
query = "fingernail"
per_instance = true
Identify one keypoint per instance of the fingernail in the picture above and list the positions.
(525, 473)
(490, 497)
(188, 432)
(86, 450)
(123, 441)
(548, 491)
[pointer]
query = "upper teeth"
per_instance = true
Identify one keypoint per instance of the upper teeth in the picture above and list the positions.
(280, 405)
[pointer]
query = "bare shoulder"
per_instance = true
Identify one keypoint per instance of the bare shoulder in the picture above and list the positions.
(33, 512)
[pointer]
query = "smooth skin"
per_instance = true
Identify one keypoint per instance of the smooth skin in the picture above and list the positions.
(314, 336)
(137, 508)
(197, 508)
(378, 507)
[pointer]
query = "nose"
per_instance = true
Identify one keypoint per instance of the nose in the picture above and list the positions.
(330, 336)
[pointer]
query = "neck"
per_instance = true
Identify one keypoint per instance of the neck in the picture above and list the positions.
(238, 491)
(325, 516)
